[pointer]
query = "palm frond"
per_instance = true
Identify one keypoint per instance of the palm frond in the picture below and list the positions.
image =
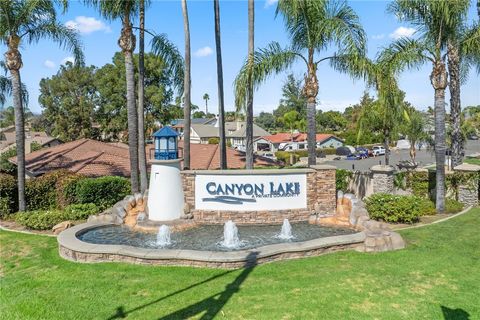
(268, 61)
(115, 9)
(470, 47)
(405, 53)
(171, 56)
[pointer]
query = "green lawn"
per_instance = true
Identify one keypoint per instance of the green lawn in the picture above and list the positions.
(436, 277)
(472, 161)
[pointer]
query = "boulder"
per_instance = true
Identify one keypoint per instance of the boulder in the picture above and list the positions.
(141, 217)
(186, 208)
(119, 211)
(397, 241)
(105, 218)
(62, 226)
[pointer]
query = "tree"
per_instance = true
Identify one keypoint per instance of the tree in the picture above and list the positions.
(206, 97)
(126, 11)
(414, 130)
(28, 22)
(331, 121)
(463, 50)
(265, 120)
(290, 119)
(249, 110)
(142, 157)
(312, 26)
(293, 98)
(69, 97)
(221, 103)
(436, 21)
(187, 83)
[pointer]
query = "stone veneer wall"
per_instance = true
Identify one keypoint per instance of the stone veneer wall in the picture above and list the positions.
(321, 198)
(382, 177)
(468, 193)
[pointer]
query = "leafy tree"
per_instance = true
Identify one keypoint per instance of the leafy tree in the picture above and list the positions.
(291, 120)
(68, 98)
(331, 121)
(436, 21)
(414, 130)
(126, 11)
(266, 120)
(312, 25)
(293, 98)
(27, 22)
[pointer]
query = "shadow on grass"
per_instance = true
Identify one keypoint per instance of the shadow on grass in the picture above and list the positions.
(454, 314)
(210, 305)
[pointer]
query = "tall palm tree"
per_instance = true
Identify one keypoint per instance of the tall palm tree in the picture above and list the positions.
(249, 114)
(312, 25)
(206, 97)
(436, 21)
(27, 22)
(142, 157)
(463, 50)
(126, 10)
(187, 95)
(221, 104)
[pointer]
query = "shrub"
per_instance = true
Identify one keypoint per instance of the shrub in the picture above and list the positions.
(8, 195)
(453, 206)
(342, 178)
(81, 211)
(41, 192)
(66, 190)
(213, 140)
(104, 191)
(5, 165)
(40, 219)
(393, 208)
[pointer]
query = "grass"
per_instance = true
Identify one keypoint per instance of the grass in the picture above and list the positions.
(436, 277)
(472, 161)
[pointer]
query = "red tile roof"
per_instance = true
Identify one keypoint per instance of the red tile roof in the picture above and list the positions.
(94, 158)
(296, 137)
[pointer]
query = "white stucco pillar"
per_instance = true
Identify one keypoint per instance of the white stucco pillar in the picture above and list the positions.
(165, 195)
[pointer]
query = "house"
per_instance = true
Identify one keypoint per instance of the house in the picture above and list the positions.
(234, 133)
(178, 124)
(294, 141)
(95, 158)
(41, 138)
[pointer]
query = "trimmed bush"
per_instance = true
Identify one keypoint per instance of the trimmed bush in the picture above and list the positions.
(453, 206)
(104, 191)
(396, 209)
(213, 140)
(8, 195)
(66, 190)
(41, 192)
(40, 219)
(81, 211)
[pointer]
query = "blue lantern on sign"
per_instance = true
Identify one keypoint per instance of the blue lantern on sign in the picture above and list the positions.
(166, 144)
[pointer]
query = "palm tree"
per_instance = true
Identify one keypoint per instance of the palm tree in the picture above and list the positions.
(142, 157)
(27, 22)
(206, 97)
(187, 95)
(436, 21)
(312, 25)
(221, 104)
(125, 11)
(249, 114)
(463, 51)
(414, 129)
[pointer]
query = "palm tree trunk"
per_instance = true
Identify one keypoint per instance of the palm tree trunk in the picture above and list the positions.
(311, 91)
(249, 115)
(187, 94)
(127, 43)
(221, 103)
(206, 108)
(386, 143)
(455, 106)
(439, 83)
(19, 137)
(14, 63)
(142, 158)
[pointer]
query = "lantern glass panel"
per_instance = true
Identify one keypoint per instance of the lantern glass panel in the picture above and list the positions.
(157, 143)
(171, 143)
(163, 143)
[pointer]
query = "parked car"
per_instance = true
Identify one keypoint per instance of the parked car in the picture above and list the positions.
(362, 152)
(269, 155)
(378, 151)
(473, 137)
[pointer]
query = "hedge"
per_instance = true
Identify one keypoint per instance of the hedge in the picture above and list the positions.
(8, 195)
(104, 191)
(81, 211)
(397, 209)
(40, 219)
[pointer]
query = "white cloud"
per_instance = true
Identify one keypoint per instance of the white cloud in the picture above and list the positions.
(269, 3)
(378, 36)
(87, 25)
(402, 32)
(68, 59)
(203, 52)
(49, 64)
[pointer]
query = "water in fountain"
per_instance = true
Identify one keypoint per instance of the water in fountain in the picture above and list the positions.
(163, 236)
(230, 235)
(286, 232)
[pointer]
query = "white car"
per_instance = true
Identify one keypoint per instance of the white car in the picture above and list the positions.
(378, 151)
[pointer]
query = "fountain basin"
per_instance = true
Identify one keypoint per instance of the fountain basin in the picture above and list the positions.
(72, 248)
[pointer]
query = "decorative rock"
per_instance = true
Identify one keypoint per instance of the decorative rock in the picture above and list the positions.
(105, 218)
(186, 208)
(119, 211)
(141, 217)
(62, 226)
(397, 241)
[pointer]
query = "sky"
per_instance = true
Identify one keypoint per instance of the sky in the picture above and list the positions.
(336, 91)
